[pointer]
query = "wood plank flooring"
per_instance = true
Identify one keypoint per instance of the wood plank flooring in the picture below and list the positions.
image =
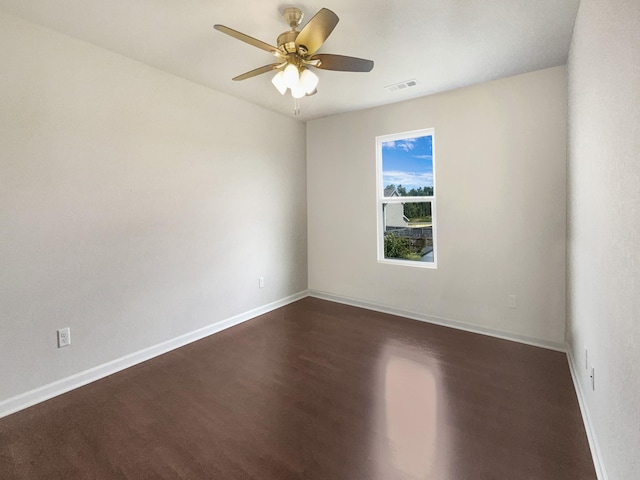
(315, 390)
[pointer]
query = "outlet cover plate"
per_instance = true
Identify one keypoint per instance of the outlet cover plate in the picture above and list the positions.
(64, 337)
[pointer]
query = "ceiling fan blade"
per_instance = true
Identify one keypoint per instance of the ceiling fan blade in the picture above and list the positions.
(342, 63)
(257, 71)
(246, 38)
(314, 33)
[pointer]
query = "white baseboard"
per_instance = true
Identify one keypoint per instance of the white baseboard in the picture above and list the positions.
(591, 435)
(445, 322)
(32, 397)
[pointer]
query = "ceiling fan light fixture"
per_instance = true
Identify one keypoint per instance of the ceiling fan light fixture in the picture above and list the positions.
(279, 83)
(291, 76)
(309, 80)
(296, 52)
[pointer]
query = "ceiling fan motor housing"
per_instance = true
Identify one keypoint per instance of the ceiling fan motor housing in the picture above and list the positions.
(287, 41)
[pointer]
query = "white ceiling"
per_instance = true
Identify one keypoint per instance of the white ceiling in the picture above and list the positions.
(443, 44)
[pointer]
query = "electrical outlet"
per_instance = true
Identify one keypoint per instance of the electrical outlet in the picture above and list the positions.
(261, 282)
(512, 301)
(593, 378)
(64, 337)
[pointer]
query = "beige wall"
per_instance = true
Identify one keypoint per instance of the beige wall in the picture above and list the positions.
(134, 206)
(500, 152)
(604, 225)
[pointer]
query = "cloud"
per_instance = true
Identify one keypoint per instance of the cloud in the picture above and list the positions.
(407, 144)
(408, 179)
(423, 157)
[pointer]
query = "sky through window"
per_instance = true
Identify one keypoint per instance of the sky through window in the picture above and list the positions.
(408, 162)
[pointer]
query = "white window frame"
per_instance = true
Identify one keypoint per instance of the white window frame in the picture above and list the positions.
(382, 200)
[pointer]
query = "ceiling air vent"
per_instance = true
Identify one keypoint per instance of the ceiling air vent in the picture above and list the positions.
(402, 85)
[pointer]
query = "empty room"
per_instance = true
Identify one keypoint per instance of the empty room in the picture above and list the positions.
(372, 240)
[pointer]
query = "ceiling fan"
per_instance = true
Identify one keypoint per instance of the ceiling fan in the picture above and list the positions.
(296, 53)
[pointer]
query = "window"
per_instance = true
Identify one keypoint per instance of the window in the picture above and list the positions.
(406, 199)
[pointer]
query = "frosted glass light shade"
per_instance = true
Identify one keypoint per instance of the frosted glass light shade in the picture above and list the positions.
(298, 91)
(291, 76)
(309, 80)
(279, 83)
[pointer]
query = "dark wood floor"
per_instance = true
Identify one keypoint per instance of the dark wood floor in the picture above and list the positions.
(315, 390)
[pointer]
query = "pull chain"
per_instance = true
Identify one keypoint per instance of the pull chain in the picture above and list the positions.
(296, 106)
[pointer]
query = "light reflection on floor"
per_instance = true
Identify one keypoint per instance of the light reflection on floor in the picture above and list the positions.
(411, 413)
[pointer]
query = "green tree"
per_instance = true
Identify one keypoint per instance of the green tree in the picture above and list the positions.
(396, 247)
(413, 210)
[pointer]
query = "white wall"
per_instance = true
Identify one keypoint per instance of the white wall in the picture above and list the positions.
(134, 206)
(604, 225)
(500, 152)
